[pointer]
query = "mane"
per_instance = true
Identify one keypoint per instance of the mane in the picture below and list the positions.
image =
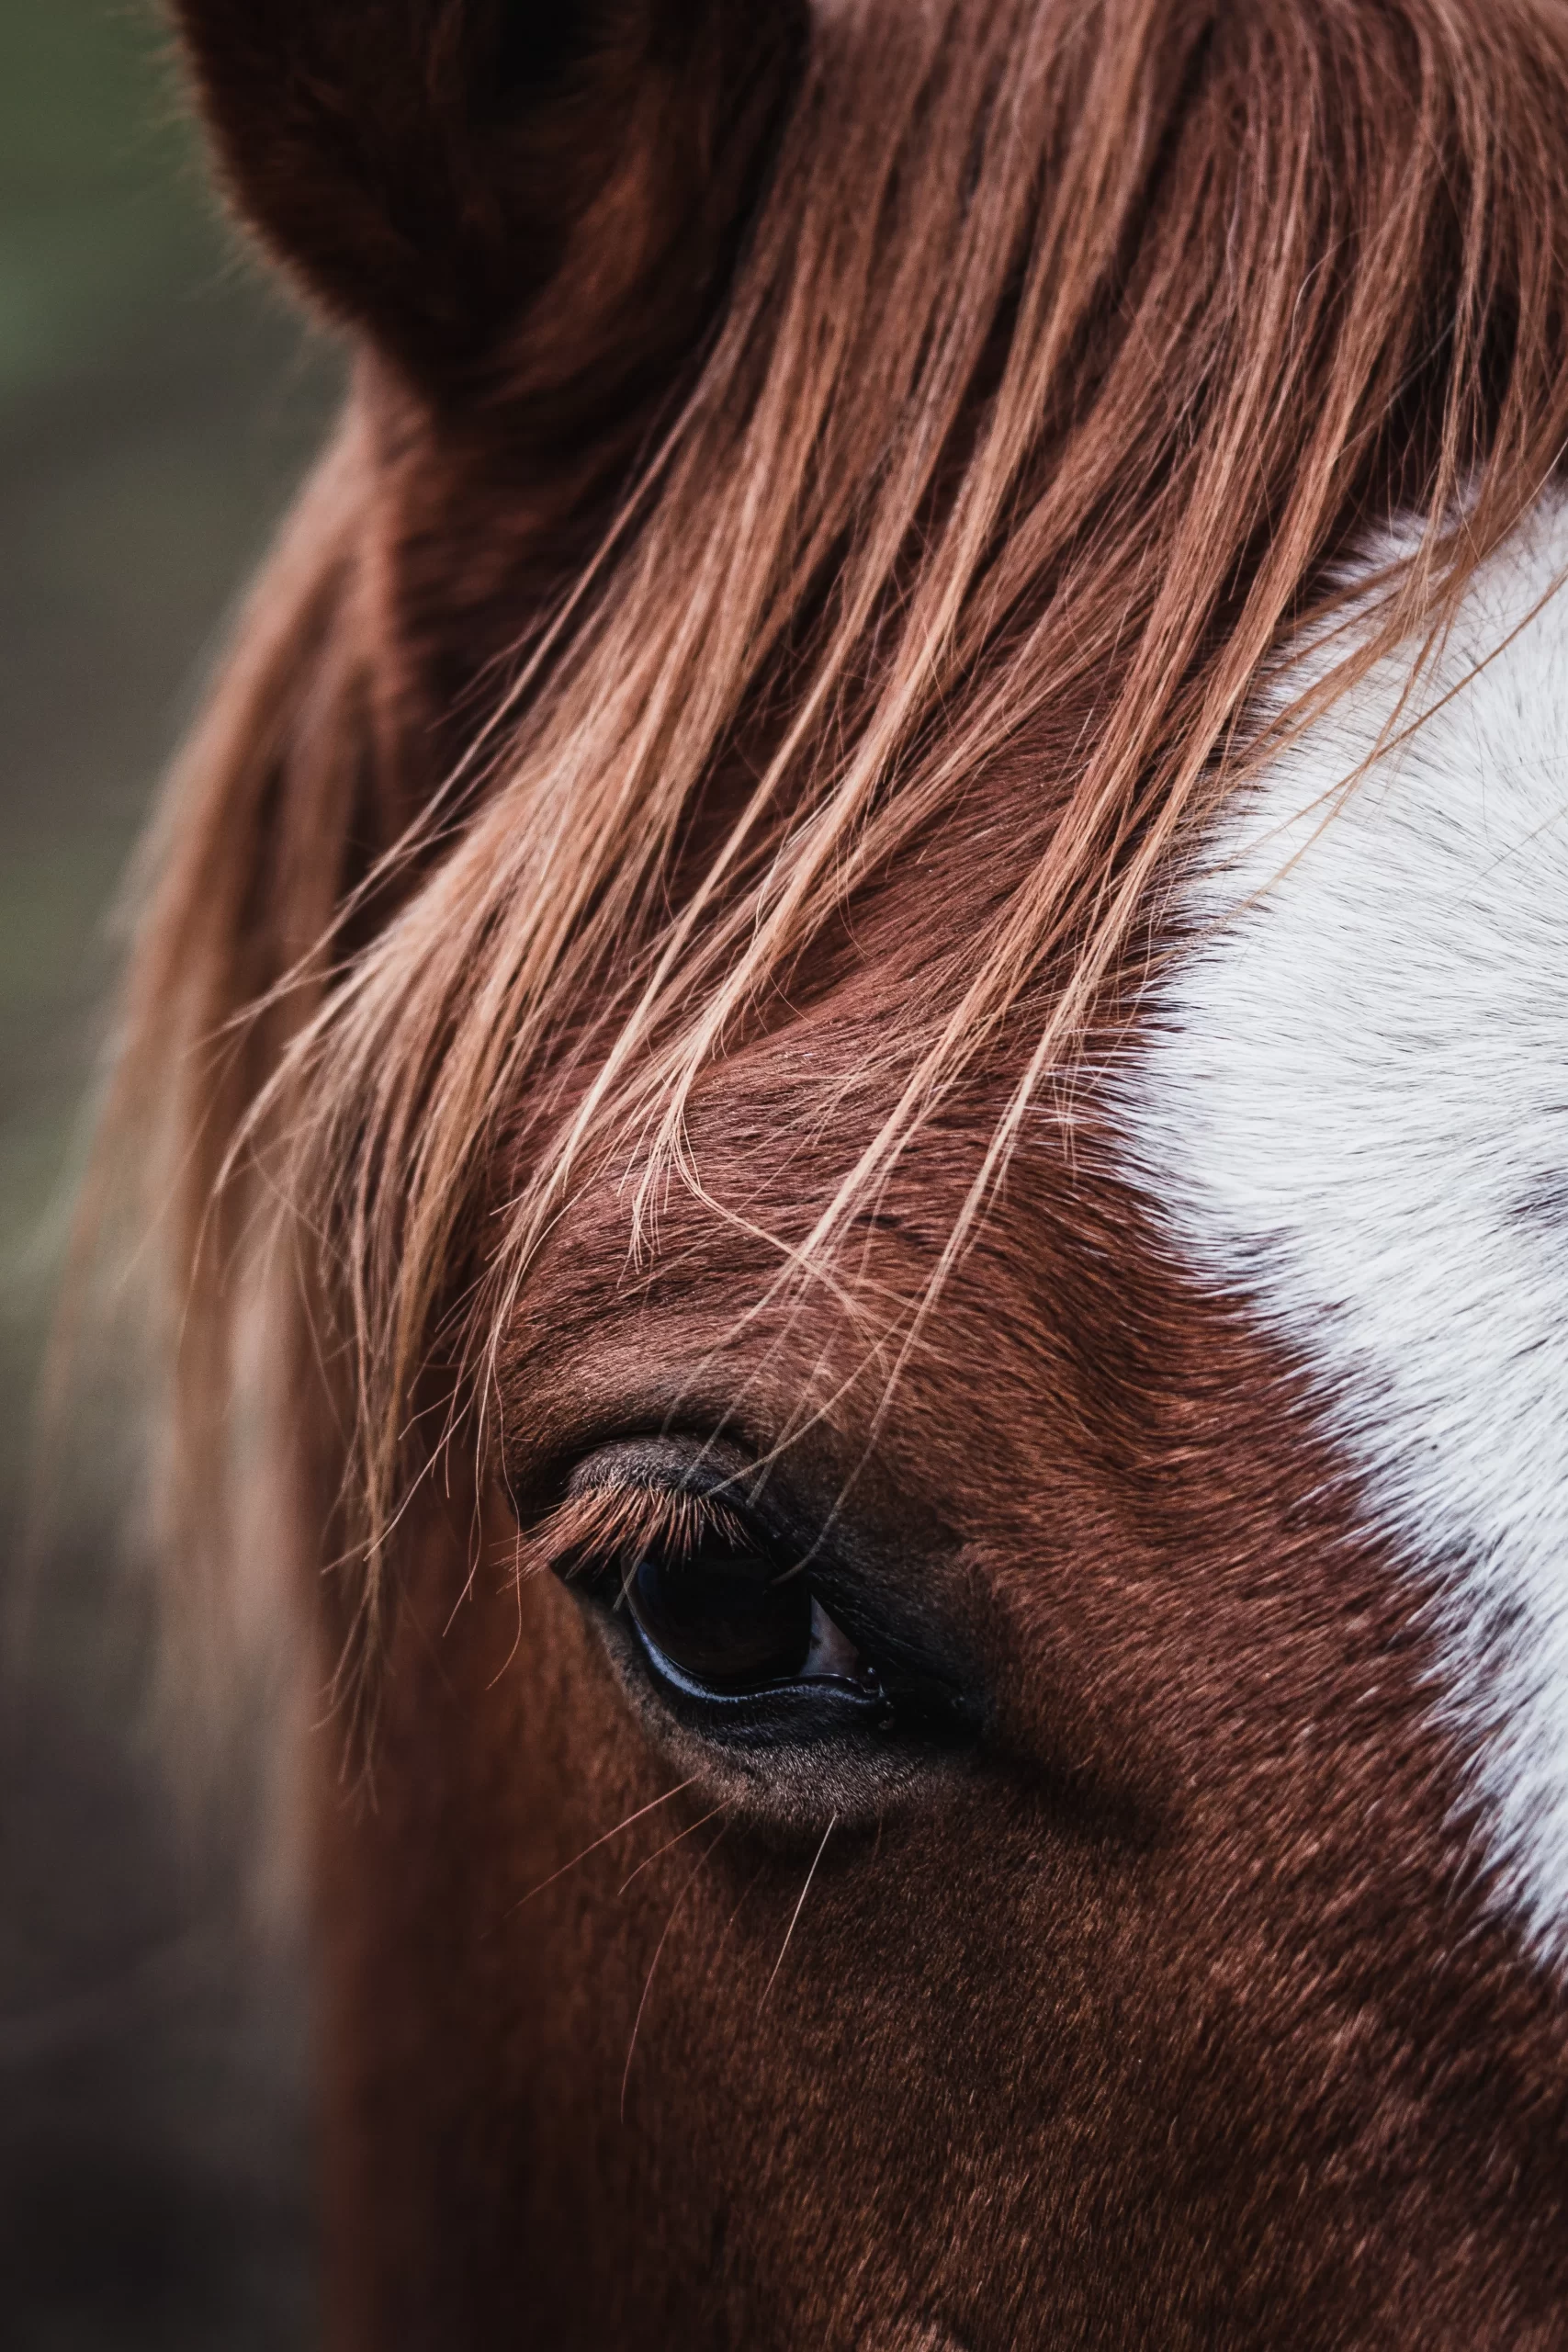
(1070, 350)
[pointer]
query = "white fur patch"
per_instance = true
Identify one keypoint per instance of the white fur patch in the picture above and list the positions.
(1352, 1103)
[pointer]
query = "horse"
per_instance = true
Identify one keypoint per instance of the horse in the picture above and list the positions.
(845, 1064)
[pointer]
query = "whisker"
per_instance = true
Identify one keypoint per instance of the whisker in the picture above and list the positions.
(800, 1905)
(667, 1843)
(593, 1848)
(706, 1855)
(724, 1931)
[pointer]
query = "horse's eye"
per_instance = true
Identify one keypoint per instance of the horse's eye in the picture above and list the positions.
(744, 1632)
(723, 1619)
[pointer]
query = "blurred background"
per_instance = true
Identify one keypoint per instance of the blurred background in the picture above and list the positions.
(158, 403)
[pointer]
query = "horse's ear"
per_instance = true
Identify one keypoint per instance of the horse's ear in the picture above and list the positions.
(439, 172)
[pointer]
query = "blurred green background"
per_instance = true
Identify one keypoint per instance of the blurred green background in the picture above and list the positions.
(158, 403)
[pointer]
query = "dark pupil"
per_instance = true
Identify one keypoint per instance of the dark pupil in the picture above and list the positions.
(725, 1618)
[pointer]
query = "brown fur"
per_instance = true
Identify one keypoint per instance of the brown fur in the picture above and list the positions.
(698, 782)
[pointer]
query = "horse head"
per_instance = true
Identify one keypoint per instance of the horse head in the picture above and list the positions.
(851, 1038)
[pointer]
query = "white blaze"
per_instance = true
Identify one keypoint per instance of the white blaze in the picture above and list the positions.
(1351, 1100)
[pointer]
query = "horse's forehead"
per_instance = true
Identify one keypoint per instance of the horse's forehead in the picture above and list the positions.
(1351, 1104)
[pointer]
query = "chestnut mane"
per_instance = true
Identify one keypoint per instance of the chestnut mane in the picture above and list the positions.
(1067, 349)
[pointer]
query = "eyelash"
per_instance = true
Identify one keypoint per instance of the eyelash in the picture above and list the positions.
(617, 1523)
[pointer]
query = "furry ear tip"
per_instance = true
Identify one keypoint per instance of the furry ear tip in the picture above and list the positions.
(427, 177)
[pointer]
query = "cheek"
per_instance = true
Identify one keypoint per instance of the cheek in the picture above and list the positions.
(600, 2054)
(556, 1991)
(528, 2025)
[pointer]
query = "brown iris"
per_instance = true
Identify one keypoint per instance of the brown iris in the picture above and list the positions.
(721, 1614)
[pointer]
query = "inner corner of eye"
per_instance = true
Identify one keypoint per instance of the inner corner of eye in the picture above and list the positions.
(830, 1654)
